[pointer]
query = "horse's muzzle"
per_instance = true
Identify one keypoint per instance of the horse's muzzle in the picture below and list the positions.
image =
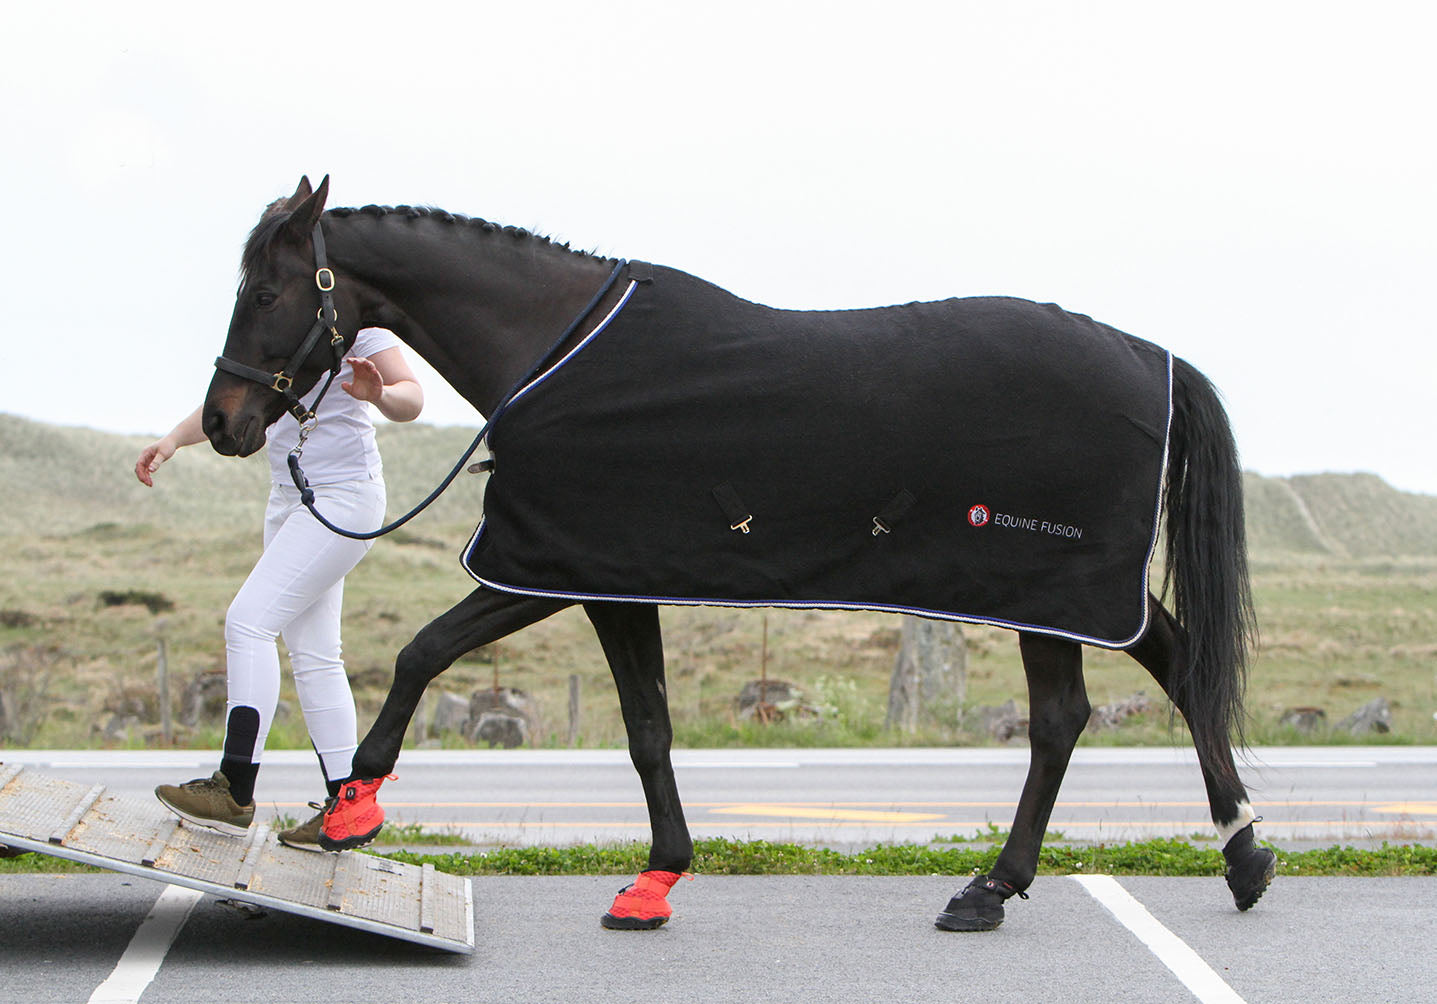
(239, 436)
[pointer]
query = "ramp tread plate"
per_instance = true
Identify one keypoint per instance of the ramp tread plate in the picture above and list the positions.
(119, 828)
(275, 874)
(34, 805)
(375, 887)
(123, 834)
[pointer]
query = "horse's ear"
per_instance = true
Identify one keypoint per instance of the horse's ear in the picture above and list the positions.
(307, 208)
(302, 191)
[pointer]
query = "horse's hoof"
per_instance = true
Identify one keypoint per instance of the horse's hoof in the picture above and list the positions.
(979, 907)
(1250, 868)
(642, 905)
(632, 923)
(1250, 878)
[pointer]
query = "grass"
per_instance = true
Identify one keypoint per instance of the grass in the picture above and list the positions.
(95, 569)
(77, 633)
(735, 857)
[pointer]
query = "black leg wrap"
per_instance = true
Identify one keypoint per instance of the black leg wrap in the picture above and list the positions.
(1250, 869)
(978, 907)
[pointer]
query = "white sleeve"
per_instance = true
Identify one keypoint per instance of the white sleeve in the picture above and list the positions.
(372, 341)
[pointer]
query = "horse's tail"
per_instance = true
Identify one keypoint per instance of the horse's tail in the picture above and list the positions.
(1207, 566)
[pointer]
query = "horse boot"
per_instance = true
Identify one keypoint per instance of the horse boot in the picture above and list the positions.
(643, 904)
(979, 906)
(1249, 868)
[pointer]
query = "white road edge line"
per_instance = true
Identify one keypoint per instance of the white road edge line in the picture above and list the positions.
(1195, 974)
(141, 961)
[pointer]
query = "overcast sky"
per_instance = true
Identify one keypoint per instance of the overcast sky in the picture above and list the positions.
(1249, 184)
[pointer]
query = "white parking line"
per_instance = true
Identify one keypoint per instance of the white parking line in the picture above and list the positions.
(1195, 974)
(147, 949)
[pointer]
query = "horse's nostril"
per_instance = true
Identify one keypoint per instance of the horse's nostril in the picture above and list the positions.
(212, 423)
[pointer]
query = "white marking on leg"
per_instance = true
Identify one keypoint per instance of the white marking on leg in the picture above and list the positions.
(1200, 978)
(1245, 815)
(147, 949)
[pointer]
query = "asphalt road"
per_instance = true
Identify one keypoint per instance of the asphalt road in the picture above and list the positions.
(775, 938)
(840, 798)
(771, 938)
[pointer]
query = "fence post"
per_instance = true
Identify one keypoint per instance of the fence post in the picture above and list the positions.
(573, 708)
(162, 672)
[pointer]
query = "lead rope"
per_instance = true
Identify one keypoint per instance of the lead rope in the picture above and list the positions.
(306, 494)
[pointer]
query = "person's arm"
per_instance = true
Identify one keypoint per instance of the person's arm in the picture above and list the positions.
(386, 381)
(187, 433)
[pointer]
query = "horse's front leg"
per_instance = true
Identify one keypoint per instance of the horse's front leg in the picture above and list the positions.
(354, 818)
(1058, 710)
(629, 634)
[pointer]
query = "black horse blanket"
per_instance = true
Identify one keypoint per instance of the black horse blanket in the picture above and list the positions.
(989, 460)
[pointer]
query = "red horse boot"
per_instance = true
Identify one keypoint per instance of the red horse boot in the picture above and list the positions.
(354, 818)
(643, 905)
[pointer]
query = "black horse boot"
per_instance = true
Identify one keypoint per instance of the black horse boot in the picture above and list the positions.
(1249, 868)
(978, 907)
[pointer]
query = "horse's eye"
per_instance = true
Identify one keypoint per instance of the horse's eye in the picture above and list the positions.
(264, 299)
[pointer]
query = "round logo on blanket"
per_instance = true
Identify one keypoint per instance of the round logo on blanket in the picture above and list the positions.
(978, 515)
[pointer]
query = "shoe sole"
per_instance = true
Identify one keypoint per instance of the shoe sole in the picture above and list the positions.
(328, 843)
(1247, 898)
(632, 923)
(301, 845)
(952, 922)
(219, 826)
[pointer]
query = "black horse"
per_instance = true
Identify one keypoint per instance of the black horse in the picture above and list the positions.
(1025, 494)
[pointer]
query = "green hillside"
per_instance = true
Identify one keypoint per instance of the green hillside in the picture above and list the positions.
(1338, 515)
(64, 479)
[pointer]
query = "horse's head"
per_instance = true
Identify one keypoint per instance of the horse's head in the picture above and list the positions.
(283, 335)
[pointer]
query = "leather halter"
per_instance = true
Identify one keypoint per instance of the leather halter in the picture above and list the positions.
(325, 321)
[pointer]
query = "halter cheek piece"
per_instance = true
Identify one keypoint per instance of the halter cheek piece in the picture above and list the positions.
(325, 321)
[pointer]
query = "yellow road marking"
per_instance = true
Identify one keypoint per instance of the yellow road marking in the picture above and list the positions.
(807, 812)
(1408, 808)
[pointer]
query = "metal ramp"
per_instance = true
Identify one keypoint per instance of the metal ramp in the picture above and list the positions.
(139, 837)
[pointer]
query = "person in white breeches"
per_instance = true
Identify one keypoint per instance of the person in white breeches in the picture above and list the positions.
(296, 588)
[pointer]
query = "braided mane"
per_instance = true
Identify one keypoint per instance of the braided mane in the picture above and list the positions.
(262, 237)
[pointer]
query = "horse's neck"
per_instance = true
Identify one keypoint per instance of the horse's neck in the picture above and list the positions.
(481, 308)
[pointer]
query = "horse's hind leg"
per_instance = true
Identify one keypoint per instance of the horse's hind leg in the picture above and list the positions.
(629, 634)
(1250, 868)
(1058, 712)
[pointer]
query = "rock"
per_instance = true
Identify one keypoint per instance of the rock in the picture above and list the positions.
(501, 728)
(451, 712)
(505, 702)
(117, 731)
(135, 702)
(1374, 716)
(1303, 719)
(1110, 716)
(203, 698)
(1002, 722)
(772, 701)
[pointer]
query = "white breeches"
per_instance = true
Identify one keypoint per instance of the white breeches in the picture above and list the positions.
(297, 589)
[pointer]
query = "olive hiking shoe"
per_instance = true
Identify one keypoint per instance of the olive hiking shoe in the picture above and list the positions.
(206, 801)
(305, 836)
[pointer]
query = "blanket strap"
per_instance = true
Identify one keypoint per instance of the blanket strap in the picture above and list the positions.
(738, 514)
(891, 513)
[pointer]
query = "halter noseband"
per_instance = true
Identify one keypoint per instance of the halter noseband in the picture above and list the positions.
(325, 320)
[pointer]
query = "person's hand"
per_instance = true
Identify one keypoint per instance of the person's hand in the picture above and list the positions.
(367, 384)
(151, 457)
